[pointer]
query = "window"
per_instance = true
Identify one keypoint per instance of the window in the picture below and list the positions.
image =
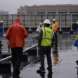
(40, 12)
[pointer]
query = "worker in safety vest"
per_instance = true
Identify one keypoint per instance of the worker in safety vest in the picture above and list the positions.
(76, 38)
(39, 27)
(54, 25)
(45, 41)
(77, 27)
(1, 34)
(55, 47)
(76, 41)
(1, 28)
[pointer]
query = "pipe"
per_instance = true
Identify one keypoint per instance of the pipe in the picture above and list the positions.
(6, 58)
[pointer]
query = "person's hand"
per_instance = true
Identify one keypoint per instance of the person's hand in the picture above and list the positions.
(38, 46)
(53, 45)
(53, 42)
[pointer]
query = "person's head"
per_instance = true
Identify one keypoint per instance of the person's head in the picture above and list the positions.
(18, 20)
(40, 24)
(46, 23)
(54, 20)
(1, 22)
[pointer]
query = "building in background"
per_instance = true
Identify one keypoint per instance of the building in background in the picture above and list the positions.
(31, 16)
(65, 15)
(48, 9)
(3, 12)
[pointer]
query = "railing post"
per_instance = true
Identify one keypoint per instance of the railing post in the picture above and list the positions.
(71, 22)
(60, 30)
(29, 22)
(71, 30)
(30, 30)
(35, 20)
(60, 22)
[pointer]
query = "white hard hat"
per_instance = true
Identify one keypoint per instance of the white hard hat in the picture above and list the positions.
(1, 21)
(54, 19)
(77, 22)
(47, 21)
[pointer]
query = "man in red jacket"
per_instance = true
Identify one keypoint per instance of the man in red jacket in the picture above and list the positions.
(16, 34)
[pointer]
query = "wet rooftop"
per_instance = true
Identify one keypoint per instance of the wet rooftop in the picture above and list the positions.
(65, 69)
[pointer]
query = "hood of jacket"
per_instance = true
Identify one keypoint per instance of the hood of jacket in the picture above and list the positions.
(18, 20)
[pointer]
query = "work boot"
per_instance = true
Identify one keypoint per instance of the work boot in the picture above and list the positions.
(77, 62)
(42, 75)
(50, 69)
(16, 76)
(16, 73)
(40, 70)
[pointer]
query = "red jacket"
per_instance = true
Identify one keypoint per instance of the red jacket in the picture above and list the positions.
(16, 34)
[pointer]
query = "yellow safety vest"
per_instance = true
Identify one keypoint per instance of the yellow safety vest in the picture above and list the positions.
(76, 37)
(53, 27)
(47, 36)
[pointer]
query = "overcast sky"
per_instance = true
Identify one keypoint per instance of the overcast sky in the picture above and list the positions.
(13, 5)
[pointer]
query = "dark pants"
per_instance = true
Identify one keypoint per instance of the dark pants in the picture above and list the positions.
(45, 51)
(0, 47)
(16, 59)
(55, 50)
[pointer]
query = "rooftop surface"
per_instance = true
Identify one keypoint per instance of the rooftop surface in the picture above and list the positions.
(68, 55)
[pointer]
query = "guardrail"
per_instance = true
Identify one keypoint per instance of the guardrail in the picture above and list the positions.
(4, 59)
(63, 19)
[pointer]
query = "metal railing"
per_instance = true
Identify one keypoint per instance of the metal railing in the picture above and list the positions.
(33, 20)
(6, 58)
